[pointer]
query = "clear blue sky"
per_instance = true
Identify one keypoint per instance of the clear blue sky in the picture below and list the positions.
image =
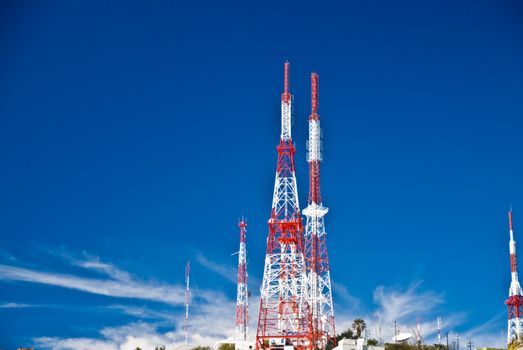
(133, 135)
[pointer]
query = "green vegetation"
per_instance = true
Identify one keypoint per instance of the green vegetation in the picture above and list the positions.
(202, 348)
(406, 346)
(226, 346)
(347, 334)
(358, 325)
(372, 342)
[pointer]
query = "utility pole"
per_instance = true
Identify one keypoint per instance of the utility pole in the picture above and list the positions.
(457, 341)
(447, 335)
(395, 332)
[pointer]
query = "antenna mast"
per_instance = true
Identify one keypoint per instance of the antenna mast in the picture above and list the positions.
(242, 299)
(515, 298)
(439, 330)
(284, 317)
(187, 300)
(318, 271)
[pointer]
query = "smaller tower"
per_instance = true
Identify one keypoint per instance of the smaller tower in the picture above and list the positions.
(515, 295)
(439, 330)
(187, 300)
(242, 299)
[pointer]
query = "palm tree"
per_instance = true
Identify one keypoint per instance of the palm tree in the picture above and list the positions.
(358, 325)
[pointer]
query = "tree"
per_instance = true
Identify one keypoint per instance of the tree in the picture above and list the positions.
(226, 346)
(160, 347)
(138, 348)
(358, 325)
(372, 342)
(347, 334)
(202, 348)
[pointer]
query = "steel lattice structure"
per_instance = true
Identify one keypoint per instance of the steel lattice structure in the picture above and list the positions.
(242, 299)
(284, 317)
(515, 298)
(319, 289)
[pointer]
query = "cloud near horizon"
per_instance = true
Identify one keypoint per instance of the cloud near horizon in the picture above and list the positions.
(403, 305)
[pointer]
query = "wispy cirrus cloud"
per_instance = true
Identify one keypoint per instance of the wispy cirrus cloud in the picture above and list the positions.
(118, 283)
(146, 335)
(488, 334)
(403, 305)
(227, 272)
(15, 305)
(122, 287)
(142, 312)
(345, 300)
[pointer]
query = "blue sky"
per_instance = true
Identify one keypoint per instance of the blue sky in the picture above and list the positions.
(133, 135)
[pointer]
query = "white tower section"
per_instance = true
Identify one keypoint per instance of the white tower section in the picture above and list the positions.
(286, 108)
(515, 299)
(515, 288)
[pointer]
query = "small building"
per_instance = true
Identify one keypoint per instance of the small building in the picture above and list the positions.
(238, 344)
(356, 344)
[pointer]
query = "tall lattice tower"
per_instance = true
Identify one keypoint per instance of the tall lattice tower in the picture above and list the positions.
(284, 317)
(242, 300)
(515, 295)
(318, 272)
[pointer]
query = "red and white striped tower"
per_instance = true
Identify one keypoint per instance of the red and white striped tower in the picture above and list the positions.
(284, 317)
(515, 295)
(319, 290)
(242, 299)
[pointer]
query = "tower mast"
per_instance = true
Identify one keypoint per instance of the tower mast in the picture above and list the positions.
(284, 317)
(242, 299)
(439, 330)
(515, 298)
(187, 300)
(318, 272)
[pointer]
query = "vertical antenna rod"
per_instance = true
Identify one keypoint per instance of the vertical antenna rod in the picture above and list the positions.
(286, 106)
(187, 300)
(242, 298)
(439, 330)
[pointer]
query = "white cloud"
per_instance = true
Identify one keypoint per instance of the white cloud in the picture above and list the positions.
(399, 305)
(208, 324)
(15, 306)
(75, 344)
(212, 313)
(227, 272)
(128, 288)
(344, 300)
(105, 268)
(142, 312)
(405, 306)
(488, 334)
